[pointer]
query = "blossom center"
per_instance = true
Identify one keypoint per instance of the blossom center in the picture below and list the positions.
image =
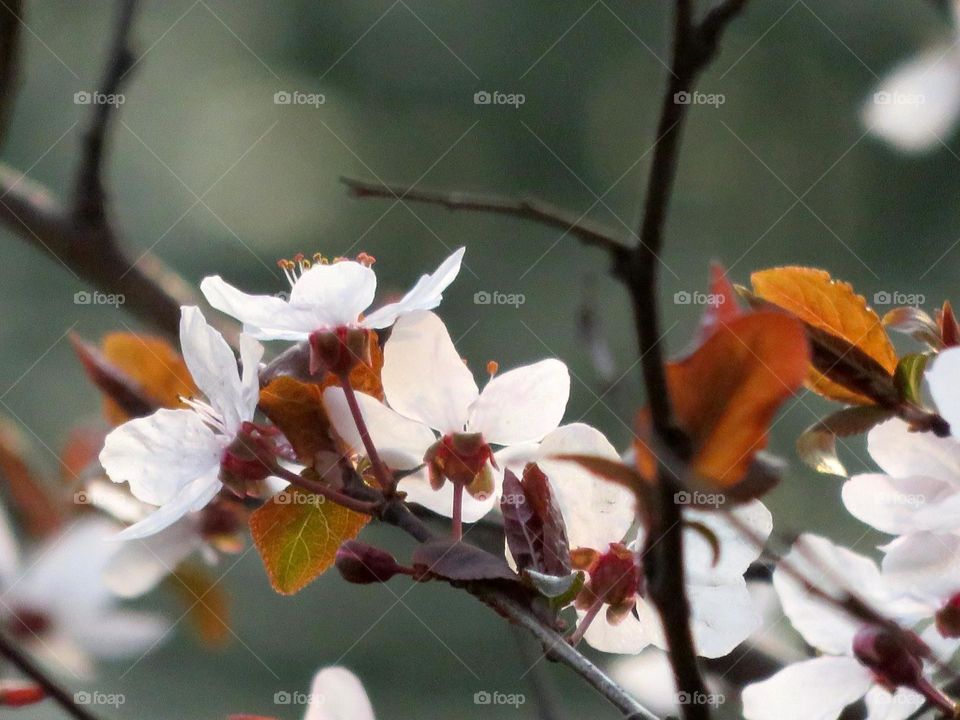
(464, 459)
(249, 459)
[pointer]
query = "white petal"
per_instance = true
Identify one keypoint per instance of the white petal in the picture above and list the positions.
(736, 551)
(192, 498)
(161, 454)
(424, 377)
(418, 490)
(522, 405)
(338, 694)
(721, 616)
(924, 565)
(265, 317)
(337, 292)
(139, 565)
(833, 570)
(943, 648)
(649, 678)
(902, 453)
(627, 637)
(400, 441)
(817, 689)
(425, 295)
(596, 512)
(903, 505)
(251, 353)
(916, 106)
(120, 634)
(9, 550)
(213, 367)
(944, 379)
(881, 705)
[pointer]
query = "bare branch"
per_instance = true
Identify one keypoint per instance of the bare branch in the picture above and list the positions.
(590, 233)
(10, 11)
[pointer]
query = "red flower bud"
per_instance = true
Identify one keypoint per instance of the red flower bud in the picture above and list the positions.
(615, 578)
(249, 459)
(364, 564)
(886, 652)
(948, 618)
(339, 350)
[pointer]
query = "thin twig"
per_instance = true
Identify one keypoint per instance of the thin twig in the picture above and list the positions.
(10, 12)
(24, 664)
(590, 233)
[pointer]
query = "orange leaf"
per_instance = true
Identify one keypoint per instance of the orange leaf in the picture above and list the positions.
(207, 602)
(297, 409)
(153, 364)
(297, 535)
(832, 306)
(726, 393)
(42, 516)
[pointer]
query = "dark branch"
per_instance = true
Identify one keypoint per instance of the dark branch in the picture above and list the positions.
(24, 664)
(590, 233)
(9, 57)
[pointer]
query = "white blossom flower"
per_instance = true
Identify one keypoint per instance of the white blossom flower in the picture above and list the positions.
(917, 105)
(722, 612)
(430, 391)
(338, 694)
(325, 296)
(820, 688)
(172, 458)
(56, 603)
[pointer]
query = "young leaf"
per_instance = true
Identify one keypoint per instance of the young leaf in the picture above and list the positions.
(560, 590)
(459, 562)
(721, 309)
(297, 409)
(909, 376)
(916, 323)
(817, 446)
(297, 536)
(533, 524)
(833, 308)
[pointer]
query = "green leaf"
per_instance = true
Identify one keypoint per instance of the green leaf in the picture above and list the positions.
(909, 376)
(817, 446)
(297, 535)
(561, 590)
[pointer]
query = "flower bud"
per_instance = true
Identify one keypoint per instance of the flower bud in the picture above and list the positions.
(615, 579)
(886, 653)
(248, 460)
(338, 351)
(364, 564)
(947, 618)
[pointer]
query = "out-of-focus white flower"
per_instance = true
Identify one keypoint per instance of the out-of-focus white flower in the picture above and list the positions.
(326, 296)
(56, 603)
(431, 391)
(722, 613)
(172, 458)
(916, 106)
(338, 694)
(819, 689)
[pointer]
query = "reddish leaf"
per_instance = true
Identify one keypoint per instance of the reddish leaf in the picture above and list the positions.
(459, 562)
(41, 515)
(533, 524)
(297, 409)
(208, 605)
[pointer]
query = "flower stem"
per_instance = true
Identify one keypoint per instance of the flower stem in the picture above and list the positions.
(584, 625)
(936, 698)
(457, 527)
(384, 477)
(361, 506)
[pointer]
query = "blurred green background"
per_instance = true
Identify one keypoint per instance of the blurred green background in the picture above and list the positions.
(399, 80)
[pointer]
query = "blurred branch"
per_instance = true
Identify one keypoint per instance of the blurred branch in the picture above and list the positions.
(24, 664)
(590, 233)
(9, 56)
(82, 236)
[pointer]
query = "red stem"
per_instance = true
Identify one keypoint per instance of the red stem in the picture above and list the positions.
(457, 527)
(581, 630)
(351, 503)
(384, 476)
